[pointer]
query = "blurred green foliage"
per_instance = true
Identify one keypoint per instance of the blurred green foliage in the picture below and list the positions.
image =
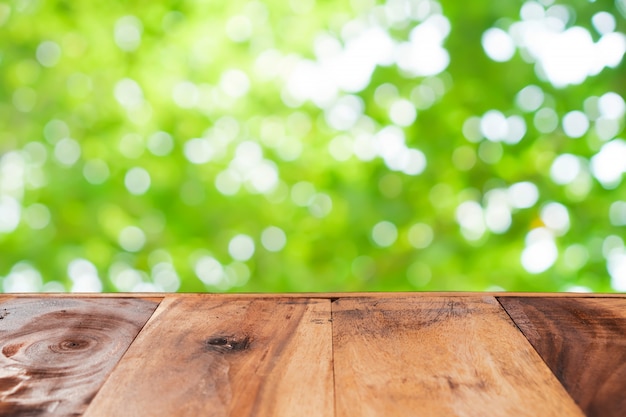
(308, 145)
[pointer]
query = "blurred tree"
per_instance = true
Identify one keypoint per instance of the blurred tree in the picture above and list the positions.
(312, 146)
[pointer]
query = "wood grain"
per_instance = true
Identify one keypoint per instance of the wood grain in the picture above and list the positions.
(56, 353)
(438, 356)
(583, 341)
(226, 357)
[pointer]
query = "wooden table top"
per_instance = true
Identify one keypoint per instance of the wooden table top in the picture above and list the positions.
(367, 354)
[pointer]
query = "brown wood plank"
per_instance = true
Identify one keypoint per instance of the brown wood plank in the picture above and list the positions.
(438, 356)
(56, 353)
(201, 356)
(583, 341)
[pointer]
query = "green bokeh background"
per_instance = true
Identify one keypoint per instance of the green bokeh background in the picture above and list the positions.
(80, 227)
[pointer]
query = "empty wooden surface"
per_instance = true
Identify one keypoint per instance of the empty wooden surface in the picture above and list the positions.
(438, 357)
(583, 341)
(431, 354)
(226, 357)
(56, 353)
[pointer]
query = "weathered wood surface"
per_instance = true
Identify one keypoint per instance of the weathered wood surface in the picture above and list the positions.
(583, 341)
(435, 354)
(226, 357)
(438, 357)
(56, 353)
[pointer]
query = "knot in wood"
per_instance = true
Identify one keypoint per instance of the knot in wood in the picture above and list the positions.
(71, 345)
(227, 343)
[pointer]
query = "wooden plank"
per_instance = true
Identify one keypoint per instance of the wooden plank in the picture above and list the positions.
(438, 356)
(583, 341)
(56, 353)
(226, 357)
